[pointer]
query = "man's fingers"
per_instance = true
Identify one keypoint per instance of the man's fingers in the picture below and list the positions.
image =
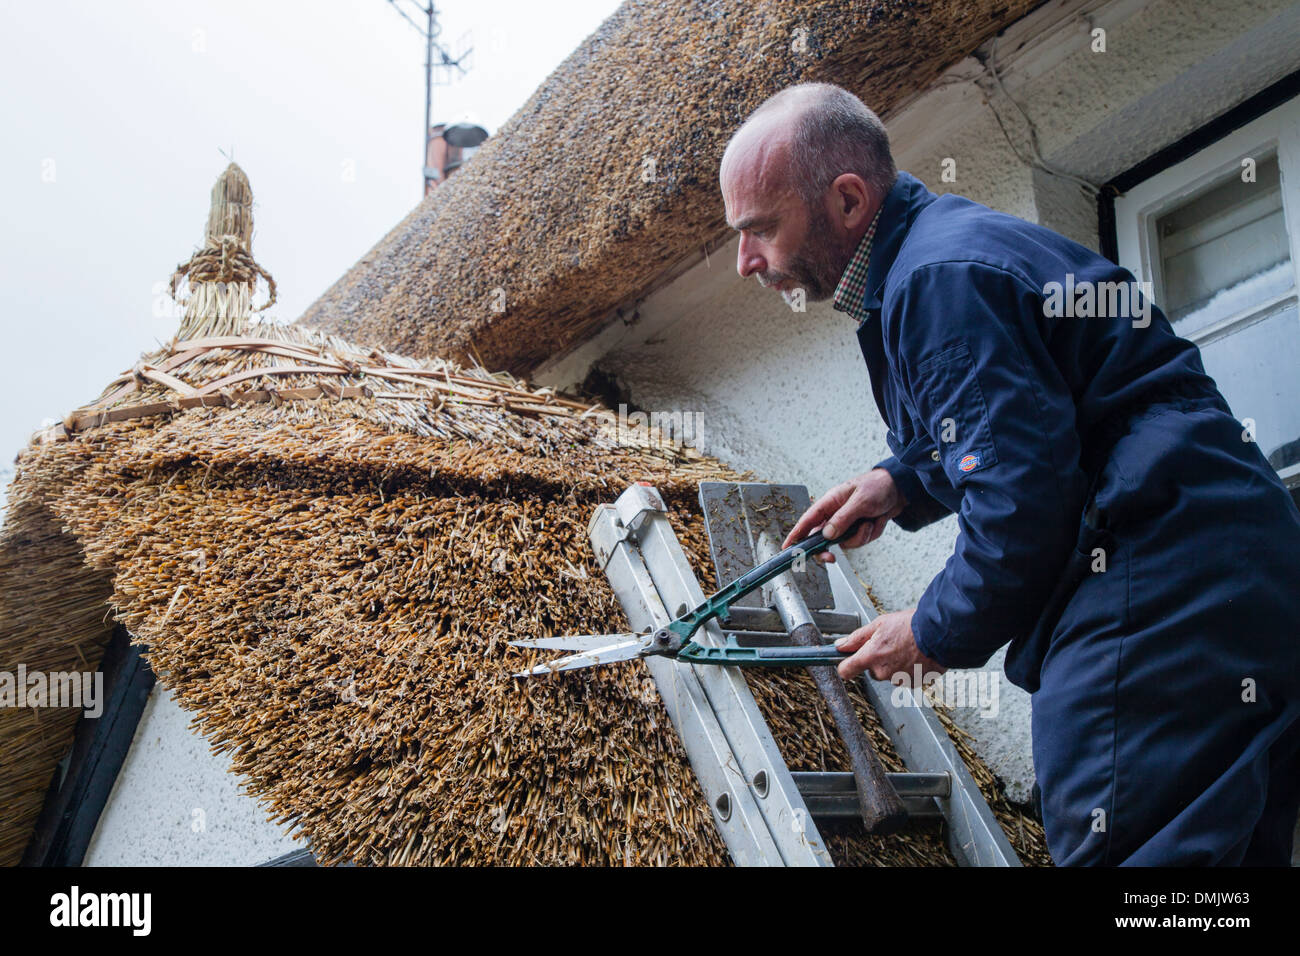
(840, 521)
(797, 535)
(864, 534)
(835, 512)
(797, 532)
(850, 667)
(869, 531)
(851, 642)
(822, 508)
(810, 519)
(869, 654)
(867, 660)
(859, 505)
(831, 504)
(860, 537)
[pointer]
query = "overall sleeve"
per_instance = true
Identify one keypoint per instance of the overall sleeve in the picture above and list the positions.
(922, 508)
(968, 349)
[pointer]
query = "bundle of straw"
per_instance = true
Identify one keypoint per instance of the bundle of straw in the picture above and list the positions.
(222, 274)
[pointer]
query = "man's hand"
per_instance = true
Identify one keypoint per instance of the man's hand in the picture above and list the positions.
(886, 648)
(872, 494)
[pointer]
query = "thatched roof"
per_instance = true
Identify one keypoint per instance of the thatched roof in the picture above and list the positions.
(558, 219)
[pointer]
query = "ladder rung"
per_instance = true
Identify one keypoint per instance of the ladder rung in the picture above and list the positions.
(831, 795)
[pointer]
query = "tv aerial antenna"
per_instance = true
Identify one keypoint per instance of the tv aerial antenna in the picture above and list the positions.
(441, 68)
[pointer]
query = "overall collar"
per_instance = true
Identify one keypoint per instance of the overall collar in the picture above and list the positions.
(904, 201)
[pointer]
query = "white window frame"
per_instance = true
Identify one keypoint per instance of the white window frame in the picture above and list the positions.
(1136, 212)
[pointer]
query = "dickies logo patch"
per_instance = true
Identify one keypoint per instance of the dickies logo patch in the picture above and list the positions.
(968, 463)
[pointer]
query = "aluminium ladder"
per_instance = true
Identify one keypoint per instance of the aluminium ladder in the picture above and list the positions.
(766, 814)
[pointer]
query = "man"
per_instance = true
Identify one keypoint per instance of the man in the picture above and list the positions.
(1118, 530)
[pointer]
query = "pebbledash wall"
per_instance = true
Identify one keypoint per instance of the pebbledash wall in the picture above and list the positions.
(175, 803)
(787, 393)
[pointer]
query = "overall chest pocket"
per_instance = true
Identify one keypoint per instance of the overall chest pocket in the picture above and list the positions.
(951, 395)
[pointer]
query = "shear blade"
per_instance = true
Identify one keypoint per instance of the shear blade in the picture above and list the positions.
(610, 654)
(577, 642)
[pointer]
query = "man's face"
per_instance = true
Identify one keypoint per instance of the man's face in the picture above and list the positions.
(786, 245)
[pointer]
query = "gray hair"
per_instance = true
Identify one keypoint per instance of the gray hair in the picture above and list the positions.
(834, 133)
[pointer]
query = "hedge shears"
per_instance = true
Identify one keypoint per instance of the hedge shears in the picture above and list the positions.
(676, 639)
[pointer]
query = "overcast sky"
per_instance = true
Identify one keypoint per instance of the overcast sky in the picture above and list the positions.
(114, 119)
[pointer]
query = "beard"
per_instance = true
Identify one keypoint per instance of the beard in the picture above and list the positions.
(817, 266)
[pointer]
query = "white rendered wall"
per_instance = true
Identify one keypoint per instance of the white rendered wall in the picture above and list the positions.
(175, 803)
(787, 394)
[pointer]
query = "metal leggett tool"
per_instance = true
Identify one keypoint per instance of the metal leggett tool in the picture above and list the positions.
(675, 639)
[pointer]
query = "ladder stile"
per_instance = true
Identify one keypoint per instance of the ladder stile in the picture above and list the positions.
(725, 737)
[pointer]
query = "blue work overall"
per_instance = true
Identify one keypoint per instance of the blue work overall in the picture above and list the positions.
(1119, 530)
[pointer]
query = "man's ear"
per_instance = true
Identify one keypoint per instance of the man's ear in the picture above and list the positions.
(853, 199)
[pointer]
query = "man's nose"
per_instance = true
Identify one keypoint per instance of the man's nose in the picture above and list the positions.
(748, 261)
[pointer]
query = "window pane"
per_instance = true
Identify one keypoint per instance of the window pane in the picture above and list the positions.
(1224, 250)
(1257, 371)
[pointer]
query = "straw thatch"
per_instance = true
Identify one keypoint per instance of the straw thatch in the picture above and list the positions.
(607, 177)
(329, 583)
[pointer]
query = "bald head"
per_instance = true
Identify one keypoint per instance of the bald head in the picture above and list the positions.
(760, 152)
(800, 179)
(807, 135)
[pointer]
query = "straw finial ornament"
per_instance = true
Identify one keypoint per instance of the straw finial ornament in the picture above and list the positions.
(223, 274)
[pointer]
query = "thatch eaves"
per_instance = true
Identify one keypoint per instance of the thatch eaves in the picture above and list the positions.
(606, 178)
